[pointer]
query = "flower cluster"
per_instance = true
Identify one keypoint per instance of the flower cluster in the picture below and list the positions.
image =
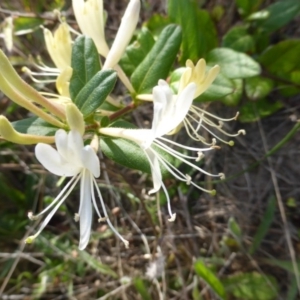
(74, 115)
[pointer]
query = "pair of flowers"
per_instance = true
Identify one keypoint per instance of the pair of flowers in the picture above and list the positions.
(72, 159)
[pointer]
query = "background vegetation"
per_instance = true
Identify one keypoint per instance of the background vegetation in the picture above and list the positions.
(241, 244)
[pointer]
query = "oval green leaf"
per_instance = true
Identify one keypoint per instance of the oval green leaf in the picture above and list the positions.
(85, 64)
(93, 94)
(233, 64)
(34, 126)
(159, 60)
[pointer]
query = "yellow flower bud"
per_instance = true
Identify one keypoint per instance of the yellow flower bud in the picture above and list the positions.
(75, 118)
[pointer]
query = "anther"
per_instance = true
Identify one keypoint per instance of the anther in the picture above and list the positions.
(76, 217)
(188, 179)
(200, 156)
(102, 219)
(222, 176)
(172, 219)
(31, 216)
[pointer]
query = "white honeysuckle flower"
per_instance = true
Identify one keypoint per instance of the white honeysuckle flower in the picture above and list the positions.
(124, 34)
(90, 18)
(73, 159)
(198, 118)
(169, 112)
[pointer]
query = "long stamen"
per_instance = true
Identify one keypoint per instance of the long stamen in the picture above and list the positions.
(195, 108)
(31, 238)
(72, 182)
(94, 200)
(30, 74)
(175, 154)
(185, 178)
(197, 137)
(183, 146)
(172, 216)
(126, 243)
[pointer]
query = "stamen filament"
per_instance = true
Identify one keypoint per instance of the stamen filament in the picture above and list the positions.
(126, 243)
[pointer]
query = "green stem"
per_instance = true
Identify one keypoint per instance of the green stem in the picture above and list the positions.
(122, 111)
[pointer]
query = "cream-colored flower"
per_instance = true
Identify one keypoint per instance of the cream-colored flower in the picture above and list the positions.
(198, 118)
(90, 18)
(198, 74)
(59, 46)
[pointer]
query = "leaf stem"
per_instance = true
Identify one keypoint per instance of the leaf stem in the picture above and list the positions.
(122, 111)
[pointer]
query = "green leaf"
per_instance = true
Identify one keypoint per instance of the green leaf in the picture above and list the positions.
(258, 87)
(233, 64)
(278, 14)
(282, 59)
(159, 60)
(264, 226)
(125, 153)
(253, 111)
(238, 38)
(221, 87)
(235, 229)
(128, 153)
(234, 98)
(251, 286)
(136, 52)
(209, 277)
(175, 79)
(93, 94)
(141, 288)
(34, 125)
(245, 7)
(198, 30)
(156, 23)
(96, 264)
(85, 64)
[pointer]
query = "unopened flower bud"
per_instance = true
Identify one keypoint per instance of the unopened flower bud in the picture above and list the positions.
(124, 34)
(75, 118)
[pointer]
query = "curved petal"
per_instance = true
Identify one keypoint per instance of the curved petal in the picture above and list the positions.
(91, 160)
(61, 141)
(53, 161)
(90, 18)
(85, 213)
(155, 170)
(75, 146)
(183, 104)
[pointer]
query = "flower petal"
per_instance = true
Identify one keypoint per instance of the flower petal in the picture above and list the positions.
(183, 104)
(75, 146)
(91, 160)
(155, 170)
(54, 162)
(61, 141)
(85, 213)
(90, 18)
